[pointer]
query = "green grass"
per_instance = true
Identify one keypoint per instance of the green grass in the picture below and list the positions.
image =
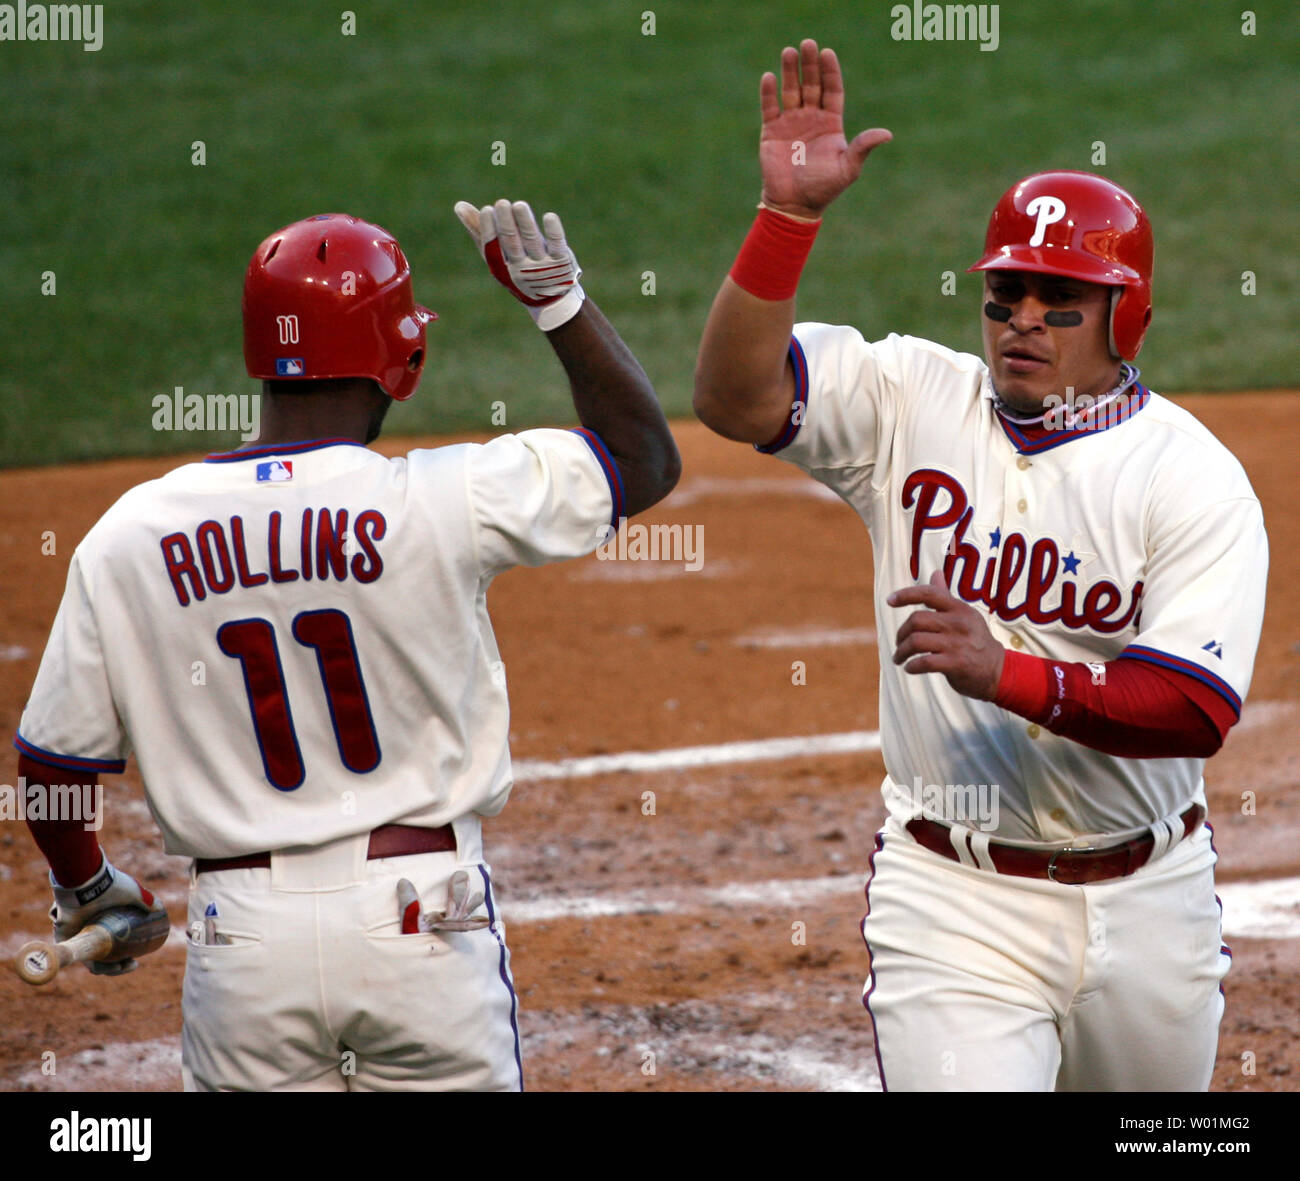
(645, 145)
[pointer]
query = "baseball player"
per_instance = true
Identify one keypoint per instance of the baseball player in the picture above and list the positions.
(293, 638)
(1069, 587)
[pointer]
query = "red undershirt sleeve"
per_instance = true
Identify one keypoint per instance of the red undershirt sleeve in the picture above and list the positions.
(71, 848)
(1127, 707)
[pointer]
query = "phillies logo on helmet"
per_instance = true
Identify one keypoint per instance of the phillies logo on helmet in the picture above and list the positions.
(288, 326)
(1048, 210)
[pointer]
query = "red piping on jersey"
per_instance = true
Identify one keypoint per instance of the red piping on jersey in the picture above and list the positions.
(67, 762)
(1176, 664)
(1035, 438)
(613, 476)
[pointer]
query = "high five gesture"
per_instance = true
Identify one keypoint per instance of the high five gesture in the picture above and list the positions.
(805, 159)
(744, 384)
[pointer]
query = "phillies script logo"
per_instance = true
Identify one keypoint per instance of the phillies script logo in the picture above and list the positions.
(993, 579)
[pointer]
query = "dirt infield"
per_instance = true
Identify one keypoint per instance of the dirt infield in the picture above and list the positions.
(662, 951)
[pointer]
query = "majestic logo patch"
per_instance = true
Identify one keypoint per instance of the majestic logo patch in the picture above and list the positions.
(275, 471)
(1214, 648)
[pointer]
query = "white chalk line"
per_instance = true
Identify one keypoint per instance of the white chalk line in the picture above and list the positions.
(767, 895)
(1251, 910)
(1259, 715)
(702, 487)
(1261, 910)
(808, 637)
(654, 570)
(682, 758)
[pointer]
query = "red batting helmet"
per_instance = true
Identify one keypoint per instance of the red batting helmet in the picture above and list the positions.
(330, 296)
(1083, 226)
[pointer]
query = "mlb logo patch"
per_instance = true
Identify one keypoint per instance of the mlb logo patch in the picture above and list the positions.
(288, 366)
(275, 471)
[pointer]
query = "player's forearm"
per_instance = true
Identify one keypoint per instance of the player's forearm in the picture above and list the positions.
(743, 383)
(744, 387)
(614, 397)
(69, 844)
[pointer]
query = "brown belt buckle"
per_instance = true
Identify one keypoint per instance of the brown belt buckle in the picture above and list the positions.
(1051, 865)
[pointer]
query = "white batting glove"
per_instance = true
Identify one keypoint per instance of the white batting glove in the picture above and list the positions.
(457, 915)
(75, 906)
(536, 267)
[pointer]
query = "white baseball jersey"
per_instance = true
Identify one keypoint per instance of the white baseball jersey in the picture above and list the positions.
(294, 639)
(1133, 532)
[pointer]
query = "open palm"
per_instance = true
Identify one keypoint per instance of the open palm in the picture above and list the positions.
(805, 159)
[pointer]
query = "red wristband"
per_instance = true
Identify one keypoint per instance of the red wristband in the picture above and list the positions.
(771, 260)
(1023, 688)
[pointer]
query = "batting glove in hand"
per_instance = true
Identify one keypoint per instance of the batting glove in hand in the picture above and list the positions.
(536, 267)
(75, 906)
(456, 916)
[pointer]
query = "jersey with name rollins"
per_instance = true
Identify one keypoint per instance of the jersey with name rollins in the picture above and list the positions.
(217, 555)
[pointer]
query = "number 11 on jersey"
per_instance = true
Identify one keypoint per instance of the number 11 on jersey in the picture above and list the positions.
(328, 633)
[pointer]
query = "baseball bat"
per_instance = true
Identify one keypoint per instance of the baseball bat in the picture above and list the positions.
(116, 934)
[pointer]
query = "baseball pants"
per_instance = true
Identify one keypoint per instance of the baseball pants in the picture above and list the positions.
(318, 989)
(987, 982)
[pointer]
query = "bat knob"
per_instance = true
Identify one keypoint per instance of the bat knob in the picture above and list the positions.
(36, 962)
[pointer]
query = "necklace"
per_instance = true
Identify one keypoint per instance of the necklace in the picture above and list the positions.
(1128, 375)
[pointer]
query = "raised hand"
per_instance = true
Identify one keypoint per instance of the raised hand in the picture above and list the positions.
(805, 160)
(535, 266)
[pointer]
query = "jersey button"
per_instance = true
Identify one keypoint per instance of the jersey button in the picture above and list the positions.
(1021, 505)
(1017, 642)
(1023, 464)
(1033, 731)
(1057, 814)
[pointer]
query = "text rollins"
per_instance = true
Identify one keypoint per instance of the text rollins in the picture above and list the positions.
(216, 556)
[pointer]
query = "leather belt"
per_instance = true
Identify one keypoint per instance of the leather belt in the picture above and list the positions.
(1072, 866)
(389, 840)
